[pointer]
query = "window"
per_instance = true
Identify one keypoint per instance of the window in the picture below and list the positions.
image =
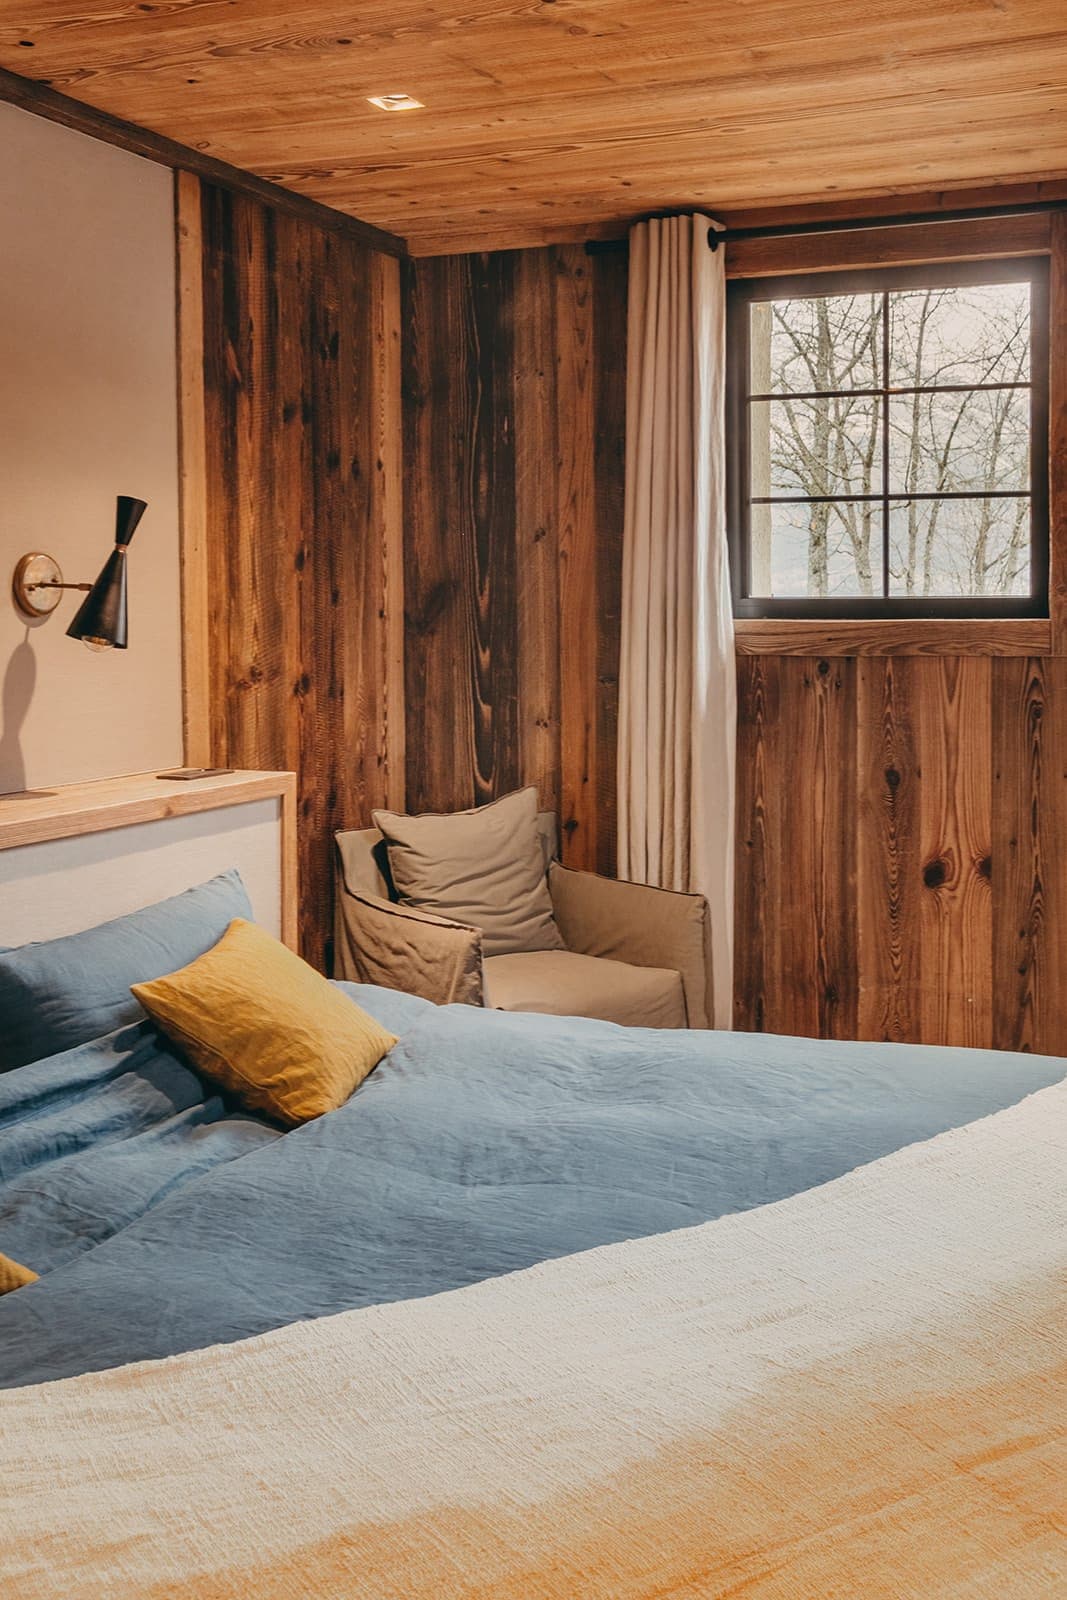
(888, 435)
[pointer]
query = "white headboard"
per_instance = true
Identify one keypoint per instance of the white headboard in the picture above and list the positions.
(73, 857)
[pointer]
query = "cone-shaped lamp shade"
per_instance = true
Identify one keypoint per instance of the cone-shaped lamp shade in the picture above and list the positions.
(128, 514)
(101, 617)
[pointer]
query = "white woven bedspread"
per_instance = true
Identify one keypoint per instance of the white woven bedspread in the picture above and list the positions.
(858, 1392)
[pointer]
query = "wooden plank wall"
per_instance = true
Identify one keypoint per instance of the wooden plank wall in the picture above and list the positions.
(302, 484)
(902, 849)
(514, 416)
(902, 816)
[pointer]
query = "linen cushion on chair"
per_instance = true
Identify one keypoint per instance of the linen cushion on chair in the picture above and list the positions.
(484, 867)
(562, 983)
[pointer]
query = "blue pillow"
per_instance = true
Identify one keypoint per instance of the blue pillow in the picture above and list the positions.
(64, 992)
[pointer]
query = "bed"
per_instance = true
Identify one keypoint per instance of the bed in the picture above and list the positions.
(549, 1308)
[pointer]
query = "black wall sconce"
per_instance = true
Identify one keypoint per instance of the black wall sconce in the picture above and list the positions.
(100, 621)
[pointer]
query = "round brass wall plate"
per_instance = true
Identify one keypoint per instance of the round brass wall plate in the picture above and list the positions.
(36, 568)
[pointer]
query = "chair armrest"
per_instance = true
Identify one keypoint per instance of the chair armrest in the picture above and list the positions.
(633, 922)
(399, 947)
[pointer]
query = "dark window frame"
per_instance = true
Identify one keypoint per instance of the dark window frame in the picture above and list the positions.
(744, 292)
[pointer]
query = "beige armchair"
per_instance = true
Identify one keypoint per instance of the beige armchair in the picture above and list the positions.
(634, 954)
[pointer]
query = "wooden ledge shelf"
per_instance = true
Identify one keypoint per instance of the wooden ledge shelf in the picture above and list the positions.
(42, 816)
(39, 815)
(1023, 636)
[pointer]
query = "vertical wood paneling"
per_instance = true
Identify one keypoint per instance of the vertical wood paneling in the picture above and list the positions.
(578, 610)
(796, 969)
(948, 833)
(302, 453)
(385, 546)
(889, 887)
(1019, 723)
(822, 736)
(1029, 853)
(495, 664)
(537, 442)
(935, 803)
(754, 964)
(955, 921)
(438, 545)
(459, 498)
(513, 423)
(610, 284)
(867, 870)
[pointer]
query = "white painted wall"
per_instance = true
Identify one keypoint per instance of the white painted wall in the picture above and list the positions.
(88, 410)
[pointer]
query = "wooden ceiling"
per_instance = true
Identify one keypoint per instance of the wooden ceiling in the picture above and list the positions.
(557, 119)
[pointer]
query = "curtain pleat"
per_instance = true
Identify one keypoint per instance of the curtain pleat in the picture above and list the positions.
(677, 706)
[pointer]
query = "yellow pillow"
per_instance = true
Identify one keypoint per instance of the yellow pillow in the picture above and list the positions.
(13, 1275)
(266, 1026)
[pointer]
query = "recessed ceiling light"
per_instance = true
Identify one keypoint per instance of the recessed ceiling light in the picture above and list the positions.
(395, 102)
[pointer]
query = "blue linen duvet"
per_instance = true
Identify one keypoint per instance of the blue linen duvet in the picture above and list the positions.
(162, 1220)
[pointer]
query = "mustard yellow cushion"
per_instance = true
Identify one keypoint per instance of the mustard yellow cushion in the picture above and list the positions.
(266, 1026)
(13, 1274)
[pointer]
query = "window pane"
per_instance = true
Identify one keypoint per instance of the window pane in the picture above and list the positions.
(816, 447)
(815, 551)
(959, 442)
(978, 334)
(959, 547)
(800, 346)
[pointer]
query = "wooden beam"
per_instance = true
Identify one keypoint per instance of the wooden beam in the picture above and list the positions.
(898, 245)
(892, 636)
(192, 473)
(581, 816)
(386, 513)
(290, 865)
(43, 101)
(903, 202)
(995, 197)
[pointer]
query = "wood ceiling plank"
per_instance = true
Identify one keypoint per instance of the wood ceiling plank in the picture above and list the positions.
(462, 108)
(341, 139)
(544, 113)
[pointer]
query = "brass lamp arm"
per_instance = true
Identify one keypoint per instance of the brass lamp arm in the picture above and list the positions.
(50, 583)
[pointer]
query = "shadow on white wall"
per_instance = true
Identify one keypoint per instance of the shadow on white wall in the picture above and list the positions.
(19, 680)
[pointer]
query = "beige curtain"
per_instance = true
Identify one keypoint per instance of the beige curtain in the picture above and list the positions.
(677, 710)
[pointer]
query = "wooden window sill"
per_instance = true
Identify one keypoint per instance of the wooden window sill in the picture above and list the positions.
(893, 636)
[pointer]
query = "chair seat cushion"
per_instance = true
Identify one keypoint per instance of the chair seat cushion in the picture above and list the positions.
(564, 984)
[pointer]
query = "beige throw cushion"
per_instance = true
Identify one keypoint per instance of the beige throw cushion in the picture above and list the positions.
(484, 867)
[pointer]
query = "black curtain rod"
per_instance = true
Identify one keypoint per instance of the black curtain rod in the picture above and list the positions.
(788, 230)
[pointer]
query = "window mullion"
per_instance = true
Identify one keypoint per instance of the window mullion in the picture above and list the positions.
(885, 444)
